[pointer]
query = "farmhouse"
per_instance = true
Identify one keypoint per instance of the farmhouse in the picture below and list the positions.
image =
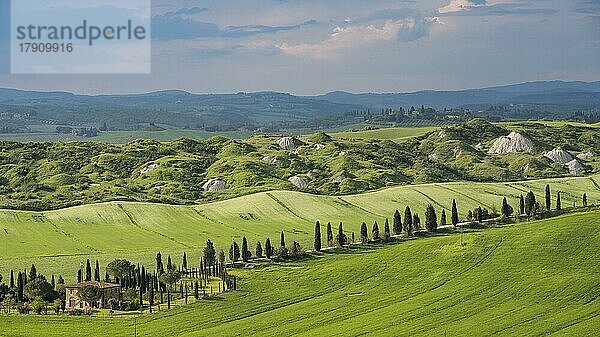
(109, 291)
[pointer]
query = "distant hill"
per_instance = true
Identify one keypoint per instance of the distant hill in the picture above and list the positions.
(225, 112)
(43, 176)
(574, 94)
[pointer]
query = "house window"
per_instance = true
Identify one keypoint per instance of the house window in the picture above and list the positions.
(81, 304)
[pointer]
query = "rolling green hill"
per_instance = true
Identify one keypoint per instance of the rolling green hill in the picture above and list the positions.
(538, 278)
(42, 176)
(59, 240)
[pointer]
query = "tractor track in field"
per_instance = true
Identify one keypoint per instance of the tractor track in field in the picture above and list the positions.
(133, 222)
(204, 216)
(280, 203)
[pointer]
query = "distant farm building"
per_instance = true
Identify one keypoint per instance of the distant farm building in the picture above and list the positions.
(109, 291)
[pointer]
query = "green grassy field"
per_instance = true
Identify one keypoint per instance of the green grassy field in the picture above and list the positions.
(57, 241)
(121, 137)
(538, 278)
(386, 133)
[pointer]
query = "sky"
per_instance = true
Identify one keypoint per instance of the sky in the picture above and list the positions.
(309, 47)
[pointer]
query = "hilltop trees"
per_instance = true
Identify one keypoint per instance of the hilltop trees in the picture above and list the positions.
(397, 223)
(329, 235)
(364, 234)
(558, 204)
(408, 221)
(455, 218)
(443, 218)
(430, 219)
(548, 198)
(317, 243)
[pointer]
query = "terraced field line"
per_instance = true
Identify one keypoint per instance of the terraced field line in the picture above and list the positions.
(595, 183)
(133, 222)
(429, 198)
(348, 203)
(69, 235)
(464, 195)
(286, 208)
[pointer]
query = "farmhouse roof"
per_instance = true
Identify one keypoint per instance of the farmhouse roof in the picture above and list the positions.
(101, 285)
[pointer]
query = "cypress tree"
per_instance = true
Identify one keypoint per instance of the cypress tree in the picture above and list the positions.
(443, 218)
(506, 209)
(97, 272)
(408, 221)
(397, 223)
(329, 235)
(79, 276)
(364, 235)
(522, 205)
(52, 283)
(106, 277)
(430, 219)
(184, 262)
(455, 218)
(341, 237)
(548, 198)
(386, 231)
(236, 252)
(245, 251)
(317, 243)
(259, 250)
(268, 248)
(530, 203)
(558, 204)
(151, 295)
(169, 264)
(584, 199)
(32, 273)
(12, 279)
(159, 265)
(416, 222)
(20, 286)
(282, 240)
(143, 279)
(88, 270)
(376, 232)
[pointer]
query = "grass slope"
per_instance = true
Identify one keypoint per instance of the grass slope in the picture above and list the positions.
(386, 133)
(538, 278)
(58, 241)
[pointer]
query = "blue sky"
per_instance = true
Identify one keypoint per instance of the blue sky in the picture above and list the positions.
(312, 47)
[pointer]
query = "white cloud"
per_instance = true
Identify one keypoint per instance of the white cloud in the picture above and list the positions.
(343, 38)
(466, 5)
